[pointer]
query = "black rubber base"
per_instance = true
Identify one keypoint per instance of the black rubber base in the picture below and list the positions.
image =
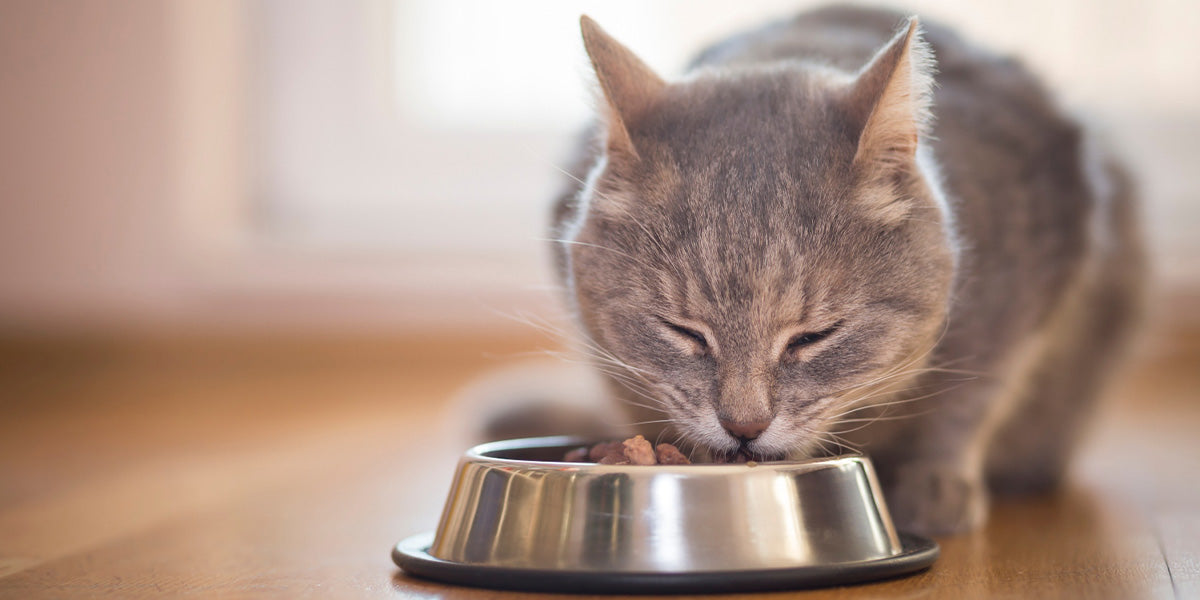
(412, 555)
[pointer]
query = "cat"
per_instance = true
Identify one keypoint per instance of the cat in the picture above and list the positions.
(804, 244)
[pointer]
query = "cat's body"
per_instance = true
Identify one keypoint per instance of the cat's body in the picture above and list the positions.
(764, 251)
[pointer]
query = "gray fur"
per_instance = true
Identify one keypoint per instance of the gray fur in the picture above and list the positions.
(972, 290)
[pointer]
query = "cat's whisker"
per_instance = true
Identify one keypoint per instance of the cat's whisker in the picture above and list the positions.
(641, 392)
(645, 406)
(857, 405)
(540, 324)
(883, 384)
(651, 422)
(636, 388)
(661, 432)
(904, 367)
(881, 418)
(824, 437)
(825, 442)
(598, 352)
(881, 380)
(863, 394)
(641, 384)
(600, 355)
(853, 407)
(821, 442)
(685, 444)
(617, 370)
(887, 405)
(543, 352)
(616, 362)
(843, 443)
(656, 407)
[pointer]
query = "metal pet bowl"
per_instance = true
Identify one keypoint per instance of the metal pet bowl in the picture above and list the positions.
(517, 517)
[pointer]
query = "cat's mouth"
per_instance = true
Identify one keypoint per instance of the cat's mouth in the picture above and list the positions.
(744, 455)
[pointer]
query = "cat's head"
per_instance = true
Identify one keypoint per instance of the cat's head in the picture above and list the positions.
(758, 248)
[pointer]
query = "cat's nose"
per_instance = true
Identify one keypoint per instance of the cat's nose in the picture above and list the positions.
(745, 431)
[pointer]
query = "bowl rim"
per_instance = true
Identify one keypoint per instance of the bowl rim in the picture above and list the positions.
(481, 453)
(412, 556)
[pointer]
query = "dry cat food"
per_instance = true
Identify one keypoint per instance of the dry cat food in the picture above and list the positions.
(638, 451)
(633, 451)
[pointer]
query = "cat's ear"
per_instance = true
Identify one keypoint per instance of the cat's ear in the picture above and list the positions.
(630, 87)
(889, 102)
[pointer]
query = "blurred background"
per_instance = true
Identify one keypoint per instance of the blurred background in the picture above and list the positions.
(385, 166)
(252, 251)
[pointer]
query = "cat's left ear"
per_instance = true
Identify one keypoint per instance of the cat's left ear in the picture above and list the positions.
(890, 101)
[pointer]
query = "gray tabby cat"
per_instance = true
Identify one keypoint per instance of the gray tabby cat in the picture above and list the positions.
(784, 250)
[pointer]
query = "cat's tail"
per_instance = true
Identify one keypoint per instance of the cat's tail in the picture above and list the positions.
(538, 398)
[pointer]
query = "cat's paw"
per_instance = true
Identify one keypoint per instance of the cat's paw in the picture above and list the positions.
(936, 500)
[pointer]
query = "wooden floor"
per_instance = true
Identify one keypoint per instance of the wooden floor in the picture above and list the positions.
(289, 469)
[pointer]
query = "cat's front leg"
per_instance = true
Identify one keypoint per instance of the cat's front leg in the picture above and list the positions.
(936, 498)
(932, 467)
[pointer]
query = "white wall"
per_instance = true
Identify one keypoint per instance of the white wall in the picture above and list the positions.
(84, 166)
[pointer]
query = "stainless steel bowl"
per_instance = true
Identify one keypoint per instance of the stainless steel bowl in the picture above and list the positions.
(515, 510)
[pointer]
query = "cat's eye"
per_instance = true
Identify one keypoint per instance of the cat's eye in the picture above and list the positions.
(696, 337)
(809, 338)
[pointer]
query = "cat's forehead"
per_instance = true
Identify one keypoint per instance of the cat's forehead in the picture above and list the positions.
(741, 205)
(734, 119)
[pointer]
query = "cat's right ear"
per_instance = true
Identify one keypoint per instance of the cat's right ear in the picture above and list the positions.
(630, 87)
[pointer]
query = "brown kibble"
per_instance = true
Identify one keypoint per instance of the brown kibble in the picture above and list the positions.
(639, 451)
(603, 449)
(670, 455)
(615, 456)
(636, 450)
